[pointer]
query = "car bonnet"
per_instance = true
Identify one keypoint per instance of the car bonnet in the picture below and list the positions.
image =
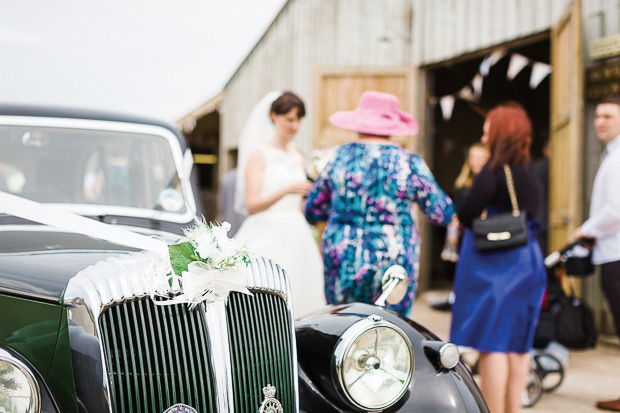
(39, 260)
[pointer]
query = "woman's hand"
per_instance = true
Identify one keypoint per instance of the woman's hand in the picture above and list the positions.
(298, 188)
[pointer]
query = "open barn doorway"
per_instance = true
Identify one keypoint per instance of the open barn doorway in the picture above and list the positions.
(451, 134)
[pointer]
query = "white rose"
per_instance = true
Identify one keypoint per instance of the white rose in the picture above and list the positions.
(205, 246)
(221, 232)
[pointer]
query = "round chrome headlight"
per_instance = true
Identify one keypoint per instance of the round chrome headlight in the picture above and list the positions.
(19, 391)
(373, 362)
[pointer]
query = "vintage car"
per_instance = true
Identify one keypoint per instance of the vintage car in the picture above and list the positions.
(86, 201)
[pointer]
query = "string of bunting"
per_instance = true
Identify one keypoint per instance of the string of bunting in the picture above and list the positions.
(473, 90)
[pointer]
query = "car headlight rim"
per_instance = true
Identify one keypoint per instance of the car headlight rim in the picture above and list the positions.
(25, 370)
(346, 342)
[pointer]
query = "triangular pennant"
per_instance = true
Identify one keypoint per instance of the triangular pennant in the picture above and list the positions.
(447, 105)
(485, 66)
(496, 56)
(466, 94)
(490, 60)
(476, 83)
(517, 63)
(539, 72)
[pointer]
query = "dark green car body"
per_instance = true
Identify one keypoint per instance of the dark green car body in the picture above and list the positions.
(34, 272)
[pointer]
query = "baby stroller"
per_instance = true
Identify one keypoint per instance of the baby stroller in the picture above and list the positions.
(565, 322)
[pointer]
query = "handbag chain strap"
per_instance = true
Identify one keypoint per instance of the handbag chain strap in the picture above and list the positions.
(511, 191)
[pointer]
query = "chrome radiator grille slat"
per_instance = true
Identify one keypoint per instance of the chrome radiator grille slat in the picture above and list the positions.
(148, 347)
(153, 327)
(149, 388)
(261, 346)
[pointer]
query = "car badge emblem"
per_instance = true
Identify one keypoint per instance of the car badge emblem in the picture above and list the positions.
(180, 408)
(270, 404)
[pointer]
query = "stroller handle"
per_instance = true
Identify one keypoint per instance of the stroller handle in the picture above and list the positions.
(554, 258)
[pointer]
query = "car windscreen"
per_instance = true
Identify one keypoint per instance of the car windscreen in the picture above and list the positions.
(80, 166)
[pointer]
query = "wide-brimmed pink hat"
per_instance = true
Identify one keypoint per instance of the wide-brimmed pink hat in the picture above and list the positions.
(376, 113)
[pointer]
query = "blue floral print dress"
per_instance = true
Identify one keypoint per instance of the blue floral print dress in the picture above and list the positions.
(366, 194)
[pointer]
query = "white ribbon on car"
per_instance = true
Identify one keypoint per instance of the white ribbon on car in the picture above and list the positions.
(56, 217)
(199, 283)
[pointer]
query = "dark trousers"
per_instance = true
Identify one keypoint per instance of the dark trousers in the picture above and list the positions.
(610, 282)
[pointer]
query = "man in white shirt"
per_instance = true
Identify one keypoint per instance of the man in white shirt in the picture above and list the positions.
(604, 222)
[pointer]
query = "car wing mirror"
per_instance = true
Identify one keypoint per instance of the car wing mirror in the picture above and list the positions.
(393, 285)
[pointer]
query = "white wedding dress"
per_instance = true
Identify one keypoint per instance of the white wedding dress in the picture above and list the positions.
(282, 233)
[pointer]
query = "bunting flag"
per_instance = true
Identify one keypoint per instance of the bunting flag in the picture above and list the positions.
(447, 104)
(466, 94)
(473, 90)
(517, 64)
(476, 83)
(490, 60)
(539, 72)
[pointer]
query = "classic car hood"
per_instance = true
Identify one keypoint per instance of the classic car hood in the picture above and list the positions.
(38, 261)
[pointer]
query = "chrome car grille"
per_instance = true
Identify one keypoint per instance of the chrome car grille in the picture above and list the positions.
(157, 356)
(216, 358)
(261, 349)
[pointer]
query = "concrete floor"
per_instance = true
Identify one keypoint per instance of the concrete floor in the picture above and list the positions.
(590, 375)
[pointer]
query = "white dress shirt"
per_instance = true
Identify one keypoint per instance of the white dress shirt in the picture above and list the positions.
(604, 221)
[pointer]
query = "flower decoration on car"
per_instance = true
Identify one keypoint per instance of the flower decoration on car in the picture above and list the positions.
(208, 265)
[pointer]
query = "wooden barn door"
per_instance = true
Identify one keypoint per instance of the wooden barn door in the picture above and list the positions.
(340, 89)
(566, 124)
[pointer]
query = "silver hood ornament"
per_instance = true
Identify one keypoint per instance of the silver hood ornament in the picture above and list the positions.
(270, 404)
(180, 408)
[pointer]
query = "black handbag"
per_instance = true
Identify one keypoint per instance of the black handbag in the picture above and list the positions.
(575, 327)
(503, 230)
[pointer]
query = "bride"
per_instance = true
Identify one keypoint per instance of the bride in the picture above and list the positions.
(271, 184)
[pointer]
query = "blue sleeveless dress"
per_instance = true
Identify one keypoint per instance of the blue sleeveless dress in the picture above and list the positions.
(498, 297)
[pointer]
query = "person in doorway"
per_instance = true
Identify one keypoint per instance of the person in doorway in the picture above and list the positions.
(498, 293)
(603, 225)
(271, 189)
(366, 193)
(477, 157)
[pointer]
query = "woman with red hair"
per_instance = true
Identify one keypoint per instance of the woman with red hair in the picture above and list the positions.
(498, 293)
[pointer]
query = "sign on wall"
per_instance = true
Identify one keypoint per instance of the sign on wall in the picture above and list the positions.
(602, 81)
(605, 47)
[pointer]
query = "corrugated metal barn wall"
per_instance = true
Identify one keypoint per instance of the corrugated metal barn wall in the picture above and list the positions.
(369, 33)
(601, 18)
(444, 29)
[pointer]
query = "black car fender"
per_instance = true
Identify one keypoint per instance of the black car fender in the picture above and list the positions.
(433, 388)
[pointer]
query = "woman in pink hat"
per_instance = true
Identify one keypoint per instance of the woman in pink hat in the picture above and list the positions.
(366, 194)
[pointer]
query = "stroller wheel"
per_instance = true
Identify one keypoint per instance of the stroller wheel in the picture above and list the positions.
(551, 371)
(533, 389)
